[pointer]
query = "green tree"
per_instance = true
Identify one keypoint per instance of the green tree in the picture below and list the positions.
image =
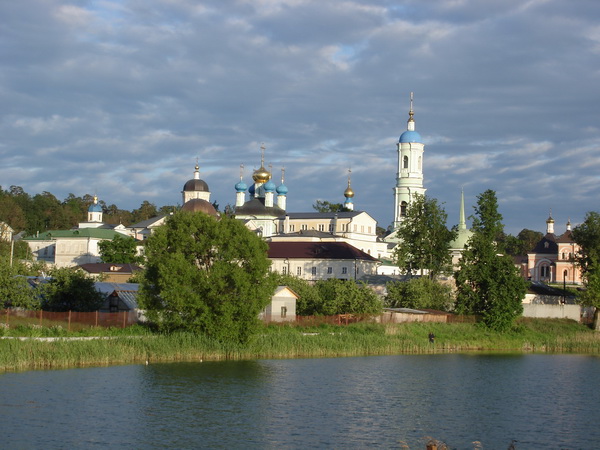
(119, 250)
(71, 290)
(15, 292)
(419, 293)
(587, 236)
(144, 212)
(345, 297)
(424, 240)
(324, 206)
(488, 283)
(206, 275)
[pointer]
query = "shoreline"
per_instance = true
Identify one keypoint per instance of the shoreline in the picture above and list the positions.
(541, 336)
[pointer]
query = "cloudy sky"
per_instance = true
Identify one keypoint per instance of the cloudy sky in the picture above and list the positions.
(119, 97)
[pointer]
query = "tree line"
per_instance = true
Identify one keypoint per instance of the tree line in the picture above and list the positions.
(42, 212)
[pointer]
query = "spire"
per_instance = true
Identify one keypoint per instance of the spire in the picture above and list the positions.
(550, 224)
(411, 120)
(462, 224)
(197, 171)
(569, 224)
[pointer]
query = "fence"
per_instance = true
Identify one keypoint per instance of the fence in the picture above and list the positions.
(386, 317)
(70, 320)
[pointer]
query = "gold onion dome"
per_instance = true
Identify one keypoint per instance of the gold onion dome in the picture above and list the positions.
(349, 193)
(261, 175)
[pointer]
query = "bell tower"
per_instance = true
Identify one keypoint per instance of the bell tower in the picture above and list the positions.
(409, 177)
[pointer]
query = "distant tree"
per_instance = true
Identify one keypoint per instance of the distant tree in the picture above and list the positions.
(71, 290)
(119, 250)
(206, 275)
(424, 240)
(587, 236)
(144, 212)
(488, 283)
(521, 244)
(168, 209)
(324, 206)
(15, 292)
(345, 297)
(419, 293)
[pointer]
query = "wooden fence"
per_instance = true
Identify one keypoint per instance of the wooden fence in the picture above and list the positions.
(70, 320)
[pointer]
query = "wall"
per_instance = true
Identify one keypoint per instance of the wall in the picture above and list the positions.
(552, 311)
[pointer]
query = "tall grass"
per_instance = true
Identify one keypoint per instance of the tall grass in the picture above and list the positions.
(139, 345)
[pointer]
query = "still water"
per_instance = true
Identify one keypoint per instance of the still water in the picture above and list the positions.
(542, 401)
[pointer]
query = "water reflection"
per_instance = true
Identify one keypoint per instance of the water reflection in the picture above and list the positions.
(543, 401)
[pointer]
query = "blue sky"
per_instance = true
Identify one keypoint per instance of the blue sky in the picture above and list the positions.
(119, 98)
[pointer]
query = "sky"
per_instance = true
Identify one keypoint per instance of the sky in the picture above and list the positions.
(119, 98)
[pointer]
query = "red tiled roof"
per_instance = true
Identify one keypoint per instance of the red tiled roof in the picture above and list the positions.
(317, 250)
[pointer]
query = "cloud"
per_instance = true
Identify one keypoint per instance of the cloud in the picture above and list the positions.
(125, 95)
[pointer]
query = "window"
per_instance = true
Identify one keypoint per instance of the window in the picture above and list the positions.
(369, 230)
(344, 270)
(292, 228)
(284, 270)
(303, 226)
(330, 270)
(283, 311)
(545, 271)
(331, 227)
(355, 226)
(321, 227)
(362, 228)
(420, 163)
(314, 271)
(564, 255)
(299, 270)
(405, 162)
(403, 206)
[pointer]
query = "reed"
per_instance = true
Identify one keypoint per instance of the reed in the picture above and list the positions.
(139, 345)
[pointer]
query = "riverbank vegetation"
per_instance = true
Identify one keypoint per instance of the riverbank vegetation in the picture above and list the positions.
(140, 345)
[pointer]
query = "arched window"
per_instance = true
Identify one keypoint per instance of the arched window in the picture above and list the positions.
(405, 162)
(564, 255)
(403, 206)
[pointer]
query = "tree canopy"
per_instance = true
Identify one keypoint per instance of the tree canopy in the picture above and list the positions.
(419, 293)
(587, 236)
(488, 283)
(424, 240)
(206, 275)
(15, 292)
(119, 250)
(71, 290)
(323, 206)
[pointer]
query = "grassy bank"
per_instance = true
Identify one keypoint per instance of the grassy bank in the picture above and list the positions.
(138, 345)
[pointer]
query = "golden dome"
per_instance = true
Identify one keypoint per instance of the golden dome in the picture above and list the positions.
(261, 175)
(348, 193)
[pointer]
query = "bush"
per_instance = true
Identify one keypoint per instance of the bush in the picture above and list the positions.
(419, 293)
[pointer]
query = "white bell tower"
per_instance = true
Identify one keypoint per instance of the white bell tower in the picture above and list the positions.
(409, 178)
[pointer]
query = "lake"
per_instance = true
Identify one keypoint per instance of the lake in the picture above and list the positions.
(541, 401)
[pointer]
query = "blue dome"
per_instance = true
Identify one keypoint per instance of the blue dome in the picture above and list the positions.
(282, 189)
(241, 186)
(95, 207)
(269, 186)
(252, 189)
(410, 136)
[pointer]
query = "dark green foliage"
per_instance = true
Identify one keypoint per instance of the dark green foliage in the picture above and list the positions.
(587, 236)
(419, 293)
(424, 239)
(207, 276)
(333, 296)
(521, 244)
(119, 250)
(323, 206)
(488, 283)
(14, 289)
(71, 290)
(345, 297)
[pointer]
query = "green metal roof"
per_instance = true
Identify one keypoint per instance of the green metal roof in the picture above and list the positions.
(98, 233)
